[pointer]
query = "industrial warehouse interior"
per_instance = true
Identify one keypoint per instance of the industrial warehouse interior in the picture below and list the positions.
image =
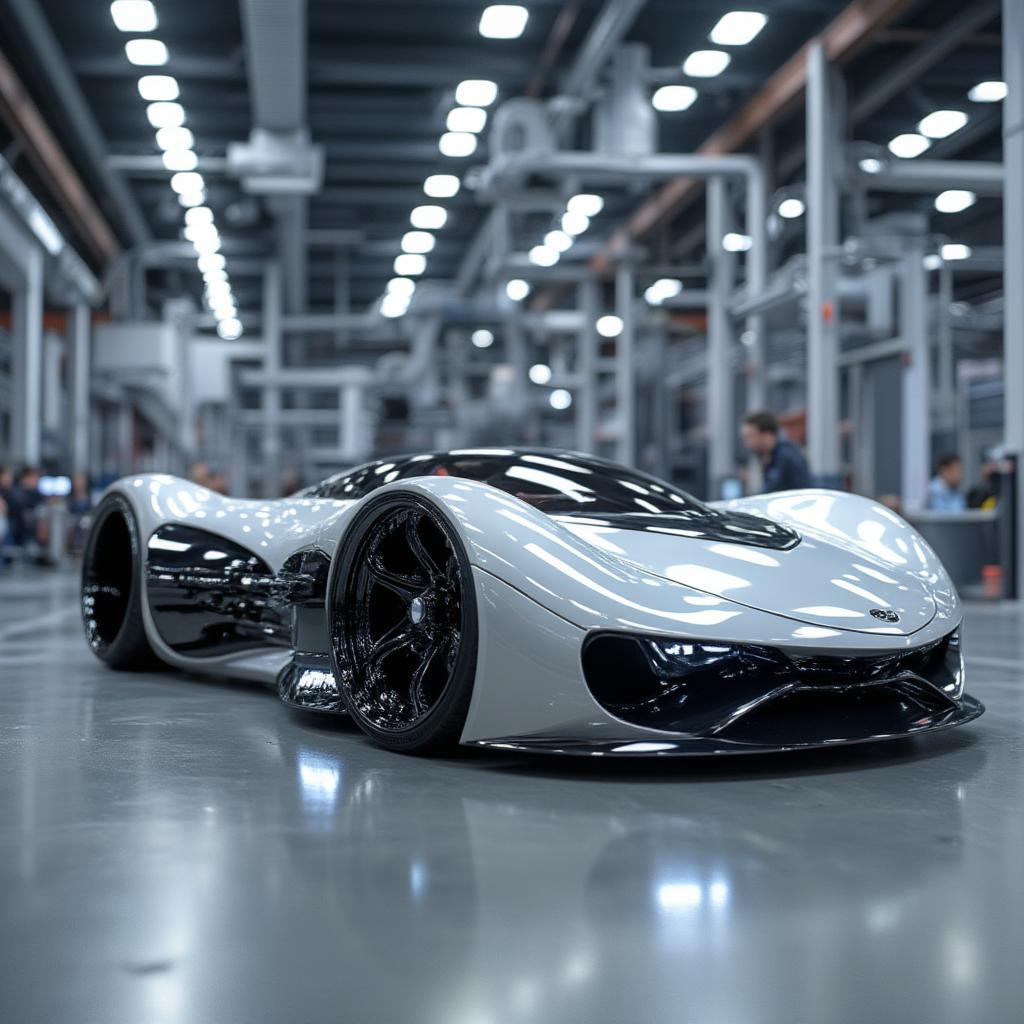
(436, 437)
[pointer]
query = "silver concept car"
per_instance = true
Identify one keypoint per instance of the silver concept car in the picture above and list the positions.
(541, 601)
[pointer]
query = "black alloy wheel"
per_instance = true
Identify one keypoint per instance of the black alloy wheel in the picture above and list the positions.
(404, 625)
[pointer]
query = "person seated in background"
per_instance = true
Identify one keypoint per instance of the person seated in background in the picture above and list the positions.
(783, 464)
(218, 482)
(199, 473)
(24, 522)
(6, 480)
(944, 490)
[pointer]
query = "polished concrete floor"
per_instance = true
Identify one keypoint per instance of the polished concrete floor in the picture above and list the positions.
(175, 849)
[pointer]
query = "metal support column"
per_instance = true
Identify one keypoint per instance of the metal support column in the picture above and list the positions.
(822, 246)
(1013, 249)
(80, 342)
(757, 281)
(625, 366)
(719, 396)
(27, 356)
(586, 367)
(916, 379)
(272, 359)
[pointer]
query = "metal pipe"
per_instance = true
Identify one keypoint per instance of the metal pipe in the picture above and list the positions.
(81, 324)
(625, 366)
(719, 391)
(984, 177)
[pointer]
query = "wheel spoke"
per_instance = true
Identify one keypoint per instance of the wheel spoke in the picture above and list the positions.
(416, 695)
(393, 640)
(418, 548)
(406, 587)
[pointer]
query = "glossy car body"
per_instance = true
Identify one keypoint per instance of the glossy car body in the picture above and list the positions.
(615, 614)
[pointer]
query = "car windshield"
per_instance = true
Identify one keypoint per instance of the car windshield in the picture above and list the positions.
(558, 483)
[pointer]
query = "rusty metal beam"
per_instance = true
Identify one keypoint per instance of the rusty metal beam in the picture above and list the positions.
(27, 124)
(844, 35)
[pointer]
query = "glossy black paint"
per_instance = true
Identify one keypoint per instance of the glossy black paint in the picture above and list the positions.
(756, 694)
(107, 565)
(308, 682)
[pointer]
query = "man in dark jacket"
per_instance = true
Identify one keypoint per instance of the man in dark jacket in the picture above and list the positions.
(783, 464)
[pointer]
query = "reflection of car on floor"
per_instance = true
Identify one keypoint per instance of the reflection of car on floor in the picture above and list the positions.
(538, 600)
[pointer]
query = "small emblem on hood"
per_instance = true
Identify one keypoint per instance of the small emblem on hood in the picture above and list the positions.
(885, 614)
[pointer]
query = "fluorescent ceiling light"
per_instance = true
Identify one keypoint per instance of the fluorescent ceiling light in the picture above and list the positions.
(158, 87)
(869, 165)
(587, 204)
(539, 373)
(133, 15)
(673, 98)
(543, 256)
(662, 289)
(206, 243)
(988, 92)
(560, 241)
(180, 160)
(214, 261)
(410, 264)
(417, 242)
(476, 92)
(560, 399)
(517, 289)
(393, 305)
(166, 115)
(737, 28)
(575, 223)
(401, 286)
(199, 215)
(174, 138)
(466, 119)
(187, 181)
(790, 209)
(230, 329)
(503, 21)
(146, 52)
(941, 123)
(428, 217)
(609, 326)
(441, 186)
(188, 199)
(735, 242)
(224, 310)
(953, 200)
(908, 145)
(955, 251)
(194, 232)
(457, 144)
(932, 261)
(706, 63)
(482, 338)
(215, 275)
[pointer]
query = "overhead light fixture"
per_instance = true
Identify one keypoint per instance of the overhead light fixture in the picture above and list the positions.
(215, 275)
(539, 373)
(199, 215)
(482, 338)
(466, 119)
(575, 223)
(180, 160)
(953, 251)
(174, 138)
(133, 15)
(417, 242)
(200, 230)
(560, 241)
(158, 87)
(166, 115)
(503, 21)
(457, 144)
(441, 186)
(188, 199)
(953, 200)
(733, 241)
(393, 305)
(673, 98)
(942, 123)
(410, 264)
(932, 261)
(543, 256)
(206, 243)
(430, 217)
(146, 52)
(790, 209)
(476, 92)
(230, 329)
(609, 325)
(988, 92)
(706, 63)
(585, 203)
(871, 165)
(737, 28)
(662, 289)
(560, 399)
(211, 261)
(401, 286)
(908, 145)
(517, 289)
(187, 181)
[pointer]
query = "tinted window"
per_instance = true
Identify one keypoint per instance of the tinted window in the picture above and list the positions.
(554, 482)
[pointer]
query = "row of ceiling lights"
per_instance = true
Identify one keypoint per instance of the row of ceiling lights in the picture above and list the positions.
(175, 141)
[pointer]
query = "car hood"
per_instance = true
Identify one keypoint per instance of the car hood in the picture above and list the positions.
(815, 581)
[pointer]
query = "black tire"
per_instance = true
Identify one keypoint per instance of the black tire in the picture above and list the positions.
(403, 625)
(112, 588)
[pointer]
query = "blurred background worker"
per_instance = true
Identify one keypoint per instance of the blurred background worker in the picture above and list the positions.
(944, 490)
(782, 463)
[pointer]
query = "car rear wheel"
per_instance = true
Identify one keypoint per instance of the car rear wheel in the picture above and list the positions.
(112, 588)
(403, 625)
